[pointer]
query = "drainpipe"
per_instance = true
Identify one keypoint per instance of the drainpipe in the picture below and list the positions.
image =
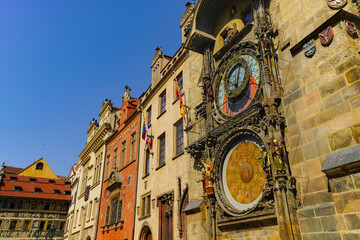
(137, 173)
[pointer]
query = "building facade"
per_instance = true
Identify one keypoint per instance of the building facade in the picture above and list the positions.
(277, 136)
(34, 202)
(164, 172)
(87, 176)
(117, 208)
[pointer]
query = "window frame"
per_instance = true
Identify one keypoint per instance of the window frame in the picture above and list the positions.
(179, 146)
(147, 163)
(145, 205)
(162, 150)
(162, 103)
(148, 112)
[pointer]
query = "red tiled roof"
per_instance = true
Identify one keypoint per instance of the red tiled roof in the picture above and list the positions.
(10, 181)
(14, 170)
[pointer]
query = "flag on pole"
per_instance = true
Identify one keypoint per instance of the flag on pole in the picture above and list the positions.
(145, 136)
(178, 93)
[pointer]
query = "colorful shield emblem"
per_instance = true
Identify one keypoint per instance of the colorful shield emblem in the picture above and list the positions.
(336, 4)
(351, 28)
(326, 36)
(309, 48)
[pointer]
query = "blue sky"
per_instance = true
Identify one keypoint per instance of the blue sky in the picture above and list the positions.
(60, 59)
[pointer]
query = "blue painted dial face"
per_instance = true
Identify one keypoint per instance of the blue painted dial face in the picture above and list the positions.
(237, 83)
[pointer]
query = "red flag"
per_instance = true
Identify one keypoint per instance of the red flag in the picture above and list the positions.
(178, 93)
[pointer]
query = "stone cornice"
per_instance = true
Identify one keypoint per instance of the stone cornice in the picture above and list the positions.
(94, 142)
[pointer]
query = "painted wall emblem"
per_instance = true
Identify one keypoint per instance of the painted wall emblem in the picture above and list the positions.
(326, 36)
(309, 48)
(336, 4)
(351, 28)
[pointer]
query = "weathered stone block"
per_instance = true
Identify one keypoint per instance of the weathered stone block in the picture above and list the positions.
(322, 236)
(356, 178)
(307, 124)
(353, 75)
(306, 213)
(320, 81)
(313, 167)
(333, 100)
(351, 236)
(351, 91)
(325, 210)
(341, 184)
(291, 121)
(340, 139)
(318, 184)
(296, 156)
(311, 97)
(331, 87)
(352, 221)
(318, 132)
(355, 132)
(310, 225)
(316, 149)
(333, 113)
(335, 61)
(329, 223)
(345, 66)
(347, 202)
(355, 102)
(312, 199)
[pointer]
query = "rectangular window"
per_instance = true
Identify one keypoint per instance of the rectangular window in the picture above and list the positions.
(37, 190)
(148, 117)
(145, 205)
(163, 102)
(162, 150)
(180, 83)
(147, 162)
(62, 226)
(17, 189)
(179, 138)
(89, 211)
(42, 225)
(123, 155)
(114, 206)
(132, 147)
(107, 165)
(49, 225)
(13, 225)
(115, 160)
(26, 226)
(119, 213)
(32, 180)
(107, 215)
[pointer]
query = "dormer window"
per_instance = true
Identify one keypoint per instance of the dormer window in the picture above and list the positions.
(39, 166)
(51, 182)
(37, 190)
(57, 191)
(32, 180)
(18, 189)
(13, 178)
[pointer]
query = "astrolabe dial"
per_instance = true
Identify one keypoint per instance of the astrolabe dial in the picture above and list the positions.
(236, 77)
(243, 176)
(236, 82)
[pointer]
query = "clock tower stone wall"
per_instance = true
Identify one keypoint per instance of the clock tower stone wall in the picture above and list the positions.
(305, 112)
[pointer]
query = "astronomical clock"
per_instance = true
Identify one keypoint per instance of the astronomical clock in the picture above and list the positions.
(236, 82)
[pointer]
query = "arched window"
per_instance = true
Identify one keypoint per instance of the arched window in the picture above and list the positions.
(39, 166)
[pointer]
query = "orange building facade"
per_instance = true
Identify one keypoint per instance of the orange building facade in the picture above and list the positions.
(117, 207)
